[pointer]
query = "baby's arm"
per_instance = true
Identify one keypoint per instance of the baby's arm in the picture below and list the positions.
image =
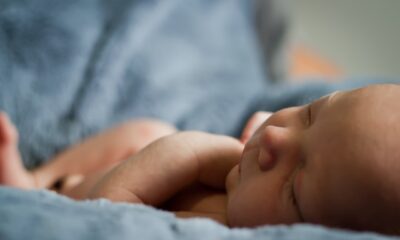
(100, 152)
(169, 165)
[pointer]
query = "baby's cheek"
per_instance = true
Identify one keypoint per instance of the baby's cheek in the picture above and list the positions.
(309, 196)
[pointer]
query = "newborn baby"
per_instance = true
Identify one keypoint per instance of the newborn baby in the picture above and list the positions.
(334, 162)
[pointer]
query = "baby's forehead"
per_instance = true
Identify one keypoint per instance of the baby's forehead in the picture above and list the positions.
(372, 104)
(388, 93)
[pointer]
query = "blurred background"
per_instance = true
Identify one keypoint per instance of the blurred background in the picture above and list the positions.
(345, 38)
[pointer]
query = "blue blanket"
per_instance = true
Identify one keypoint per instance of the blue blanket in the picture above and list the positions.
(69, 69)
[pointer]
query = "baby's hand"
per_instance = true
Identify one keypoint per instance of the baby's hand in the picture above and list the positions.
(215, 154)
(253, 124)
(170, 164)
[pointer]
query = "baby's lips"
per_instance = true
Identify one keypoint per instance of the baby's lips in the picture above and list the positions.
(265, 159)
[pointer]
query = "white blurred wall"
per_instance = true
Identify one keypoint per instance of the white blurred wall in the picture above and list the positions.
(361, 36)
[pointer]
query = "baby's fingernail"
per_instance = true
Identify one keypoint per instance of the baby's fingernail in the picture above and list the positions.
(265, 159)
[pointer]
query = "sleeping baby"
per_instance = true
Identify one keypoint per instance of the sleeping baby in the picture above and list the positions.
(334, 162)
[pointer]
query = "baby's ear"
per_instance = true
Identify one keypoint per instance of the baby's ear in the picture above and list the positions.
(253, 124)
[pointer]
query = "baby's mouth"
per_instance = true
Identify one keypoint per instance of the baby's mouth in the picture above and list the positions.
(250, 154)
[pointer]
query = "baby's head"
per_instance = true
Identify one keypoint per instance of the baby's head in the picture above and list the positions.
(335, 162)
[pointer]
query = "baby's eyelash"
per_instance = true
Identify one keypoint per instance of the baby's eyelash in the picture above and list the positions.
(292, 196)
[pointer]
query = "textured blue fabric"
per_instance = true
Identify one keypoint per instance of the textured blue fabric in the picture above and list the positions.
(45, 215)
(74, 67)
(71, 68)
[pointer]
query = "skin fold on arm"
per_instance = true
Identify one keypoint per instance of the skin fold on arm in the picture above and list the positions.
(169, 165)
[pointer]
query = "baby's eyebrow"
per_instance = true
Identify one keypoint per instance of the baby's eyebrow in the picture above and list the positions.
(325, 100)
(331, 96)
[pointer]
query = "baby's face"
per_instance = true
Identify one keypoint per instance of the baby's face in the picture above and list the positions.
(318, 163)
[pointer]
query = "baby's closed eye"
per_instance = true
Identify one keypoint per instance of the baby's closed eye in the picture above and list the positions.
(290, 191)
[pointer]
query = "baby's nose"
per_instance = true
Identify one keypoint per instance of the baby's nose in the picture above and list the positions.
(273, 142)
(265, 159)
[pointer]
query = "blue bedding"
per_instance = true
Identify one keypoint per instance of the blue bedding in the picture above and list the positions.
(69, 69)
